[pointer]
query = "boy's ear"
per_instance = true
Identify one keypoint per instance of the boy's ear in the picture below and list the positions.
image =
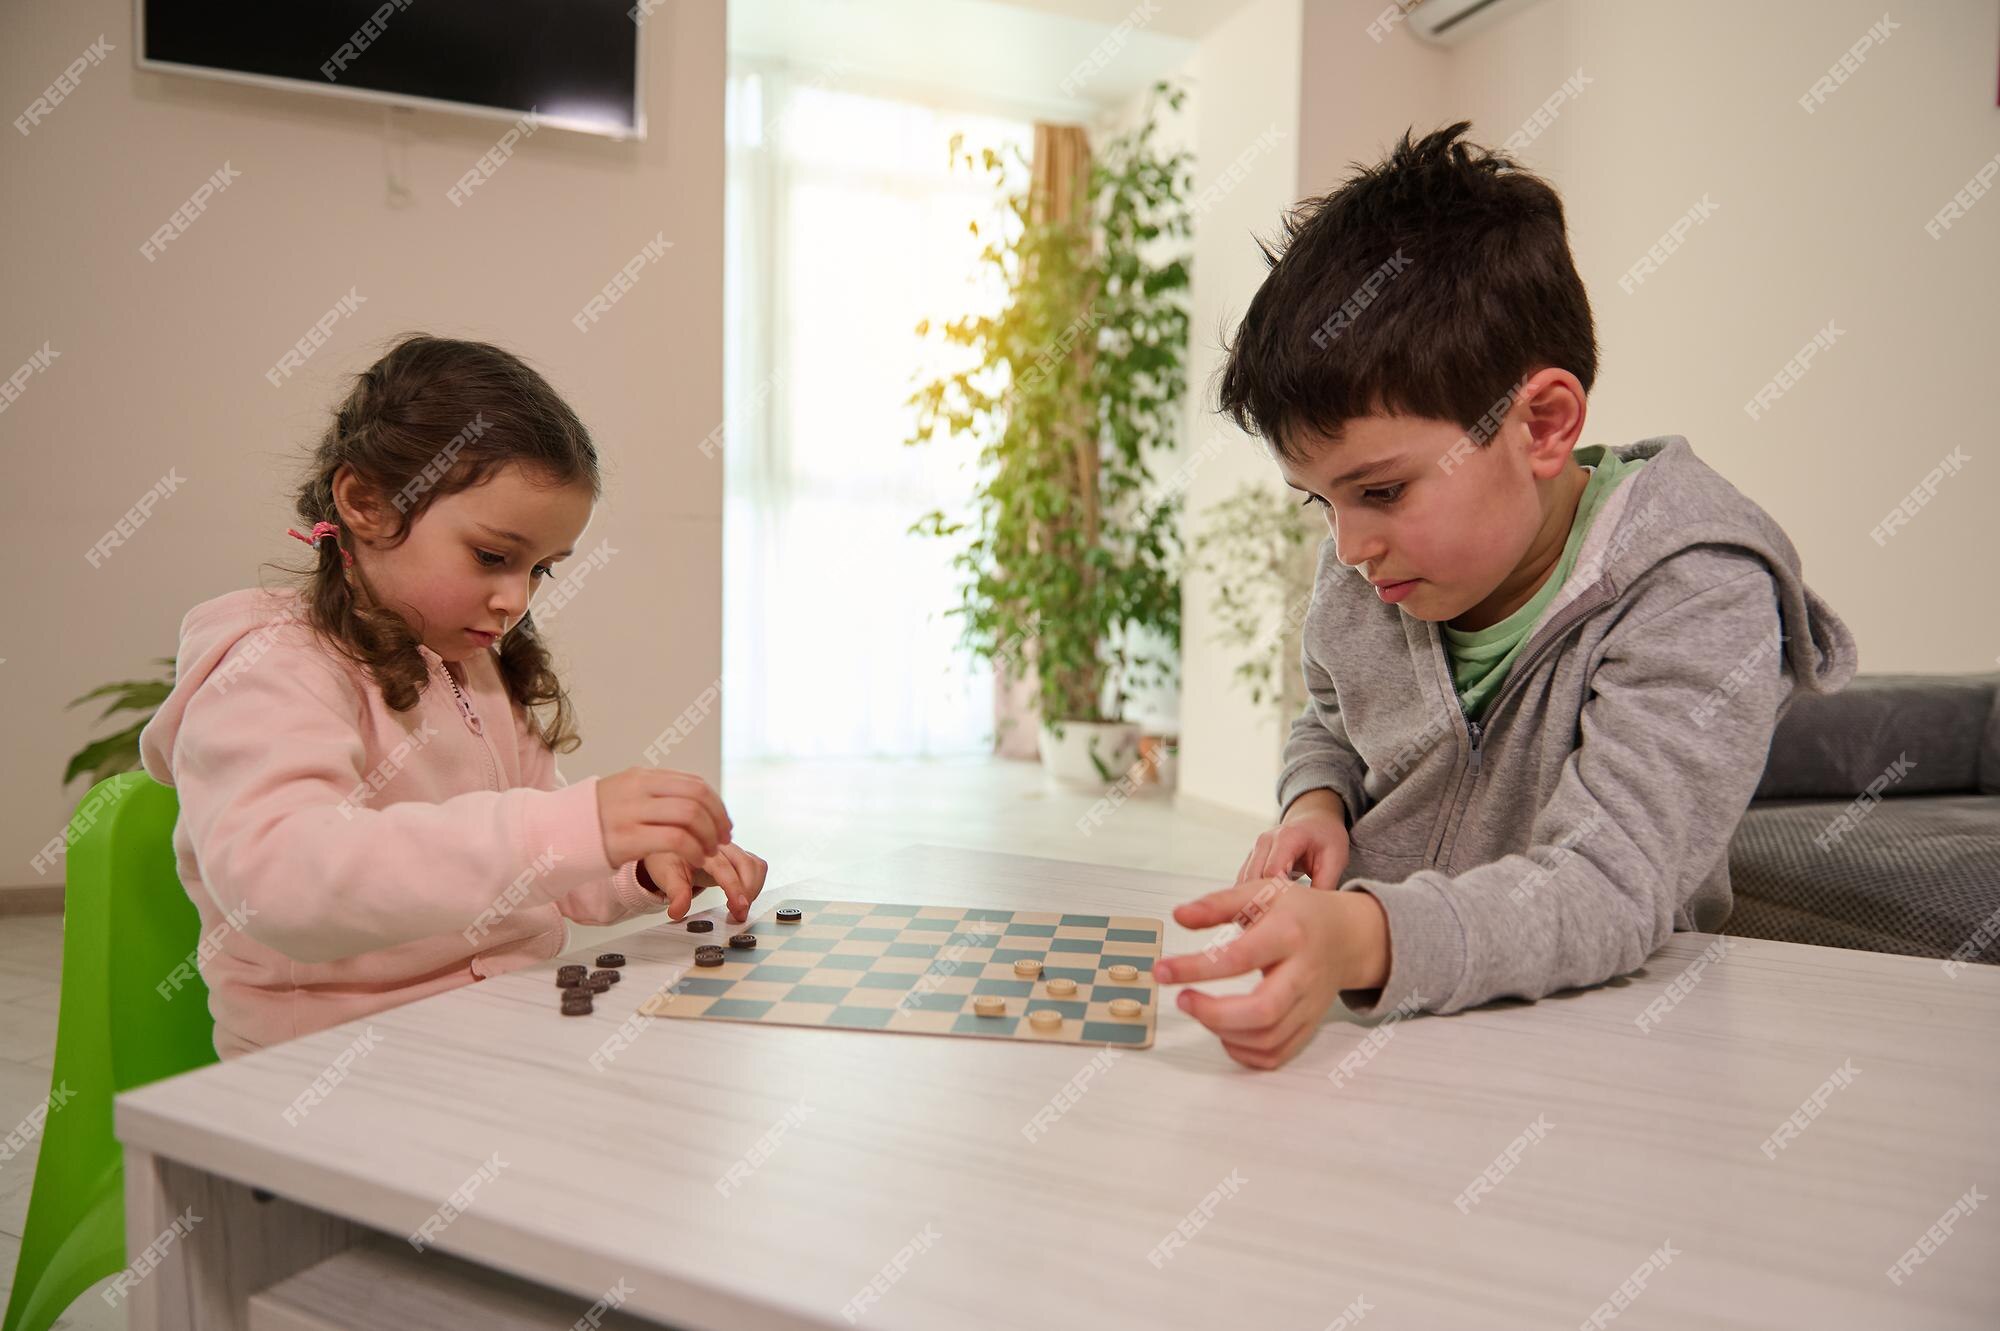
(1554, 407)
(362, 511)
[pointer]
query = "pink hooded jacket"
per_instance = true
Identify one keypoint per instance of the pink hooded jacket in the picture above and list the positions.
(346, 857)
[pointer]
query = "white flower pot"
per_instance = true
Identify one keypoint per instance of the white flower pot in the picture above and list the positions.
(1068, 757)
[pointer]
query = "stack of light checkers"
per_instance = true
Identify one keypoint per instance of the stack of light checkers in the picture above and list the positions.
(1067, 978)
(579, 986)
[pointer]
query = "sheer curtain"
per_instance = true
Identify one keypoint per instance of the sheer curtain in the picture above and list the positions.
(846, 227)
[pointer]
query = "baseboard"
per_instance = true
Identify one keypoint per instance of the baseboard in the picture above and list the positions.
(32, 899)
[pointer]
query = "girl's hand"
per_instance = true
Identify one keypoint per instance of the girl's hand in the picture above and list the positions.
(1309, 944)
(735, 870)
(648, 811)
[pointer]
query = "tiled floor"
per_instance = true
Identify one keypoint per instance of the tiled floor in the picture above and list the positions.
(804, 818)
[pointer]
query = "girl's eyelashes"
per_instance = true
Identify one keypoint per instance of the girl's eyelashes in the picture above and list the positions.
(491, 560)
(1384, 495)
(1314, 499)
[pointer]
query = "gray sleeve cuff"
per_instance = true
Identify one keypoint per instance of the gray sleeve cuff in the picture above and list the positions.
(1426, 951)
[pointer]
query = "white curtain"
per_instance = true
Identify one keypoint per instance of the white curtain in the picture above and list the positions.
(846, 227)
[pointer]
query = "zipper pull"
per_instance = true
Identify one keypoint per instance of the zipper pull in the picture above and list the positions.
(471, 718)
(1473, 726)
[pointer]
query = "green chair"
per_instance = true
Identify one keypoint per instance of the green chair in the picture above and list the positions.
(127, 927)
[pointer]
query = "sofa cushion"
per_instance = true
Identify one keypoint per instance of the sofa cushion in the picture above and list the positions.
(1831, 746)
(1916, 876)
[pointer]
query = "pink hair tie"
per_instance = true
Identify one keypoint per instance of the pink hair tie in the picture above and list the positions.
(321, 530)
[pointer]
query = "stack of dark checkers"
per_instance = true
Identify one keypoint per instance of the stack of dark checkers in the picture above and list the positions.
(579, 985)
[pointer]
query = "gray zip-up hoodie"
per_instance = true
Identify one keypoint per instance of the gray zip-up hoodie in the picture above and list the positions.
(1559, 840)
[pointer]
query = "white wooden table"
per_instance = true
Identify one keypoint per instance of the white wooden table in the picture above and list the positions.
(1175, 1190)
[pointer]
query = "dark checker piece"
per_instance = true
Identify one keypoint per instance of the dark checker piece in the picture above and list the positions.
(572, 969)
(700, 926)
(611, 959)
(578, 1006)
(568, 981)
(609, 977)
(596, 984)
(708, 956)
(743, 941)
(790, 915)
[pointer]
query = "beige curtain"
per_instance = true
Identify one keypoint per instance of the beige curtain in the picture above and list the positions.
(1061, 192)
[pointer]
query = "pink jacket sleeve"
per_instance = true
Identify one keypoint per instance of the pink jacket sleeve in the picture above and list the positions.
(263, 770)
(603, 900)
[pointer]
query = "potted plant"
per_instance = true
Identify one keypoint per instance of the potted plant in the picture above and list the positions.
(1070, 561)
(1261, 551)
(119, 752)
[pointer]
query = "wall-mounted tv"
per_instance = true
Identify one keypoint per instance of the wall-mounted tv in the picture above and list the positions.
(574, 63)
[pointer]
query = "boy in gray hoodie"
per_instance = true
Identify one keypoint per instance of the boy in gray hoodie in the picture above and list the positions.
(1543, 678)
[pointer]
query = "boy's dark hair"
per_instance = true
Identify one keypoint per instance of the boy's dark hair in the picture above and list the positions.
(1428, 285)
(433, 417)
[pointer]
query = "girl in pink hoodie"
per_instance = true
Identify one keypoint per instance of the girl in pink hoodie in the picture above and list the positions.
(370, 810)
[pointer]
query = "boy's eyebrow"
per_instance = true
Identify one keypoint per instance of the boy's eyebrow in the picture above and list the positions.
(519, 539)
(1373, 469)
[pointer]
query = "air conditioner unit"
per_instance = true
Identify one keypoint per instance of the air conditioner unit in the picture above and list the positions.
(1448, 22)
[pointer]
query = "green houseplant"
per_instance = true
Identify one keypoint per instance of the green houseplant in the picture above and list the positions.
(119, 752)
(1070, 561)
(1260, 550)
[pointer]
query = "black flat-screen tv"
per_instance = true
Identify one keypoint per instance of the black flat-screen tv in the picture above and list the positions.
(574, 63)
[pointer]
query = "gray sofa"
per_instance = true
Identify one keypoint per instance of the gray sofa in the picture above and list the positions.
(1877, 822)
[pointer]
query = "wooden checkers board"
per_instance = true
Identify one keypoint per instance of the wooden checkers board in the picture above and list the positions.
(919, 970)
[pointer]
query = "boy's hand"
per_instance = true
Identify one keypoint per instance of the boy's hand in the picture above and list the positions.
(736, 871)
(1310, 946)
(1311, 836)
(646, 811)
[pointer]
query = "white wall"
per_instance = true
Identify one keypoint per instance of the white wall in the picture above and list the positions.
(1246, 84)
(162, 363)
(1817, 217)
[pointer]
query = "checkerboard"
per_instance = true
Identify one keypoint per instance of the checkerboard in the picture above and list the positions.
(916, 970)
